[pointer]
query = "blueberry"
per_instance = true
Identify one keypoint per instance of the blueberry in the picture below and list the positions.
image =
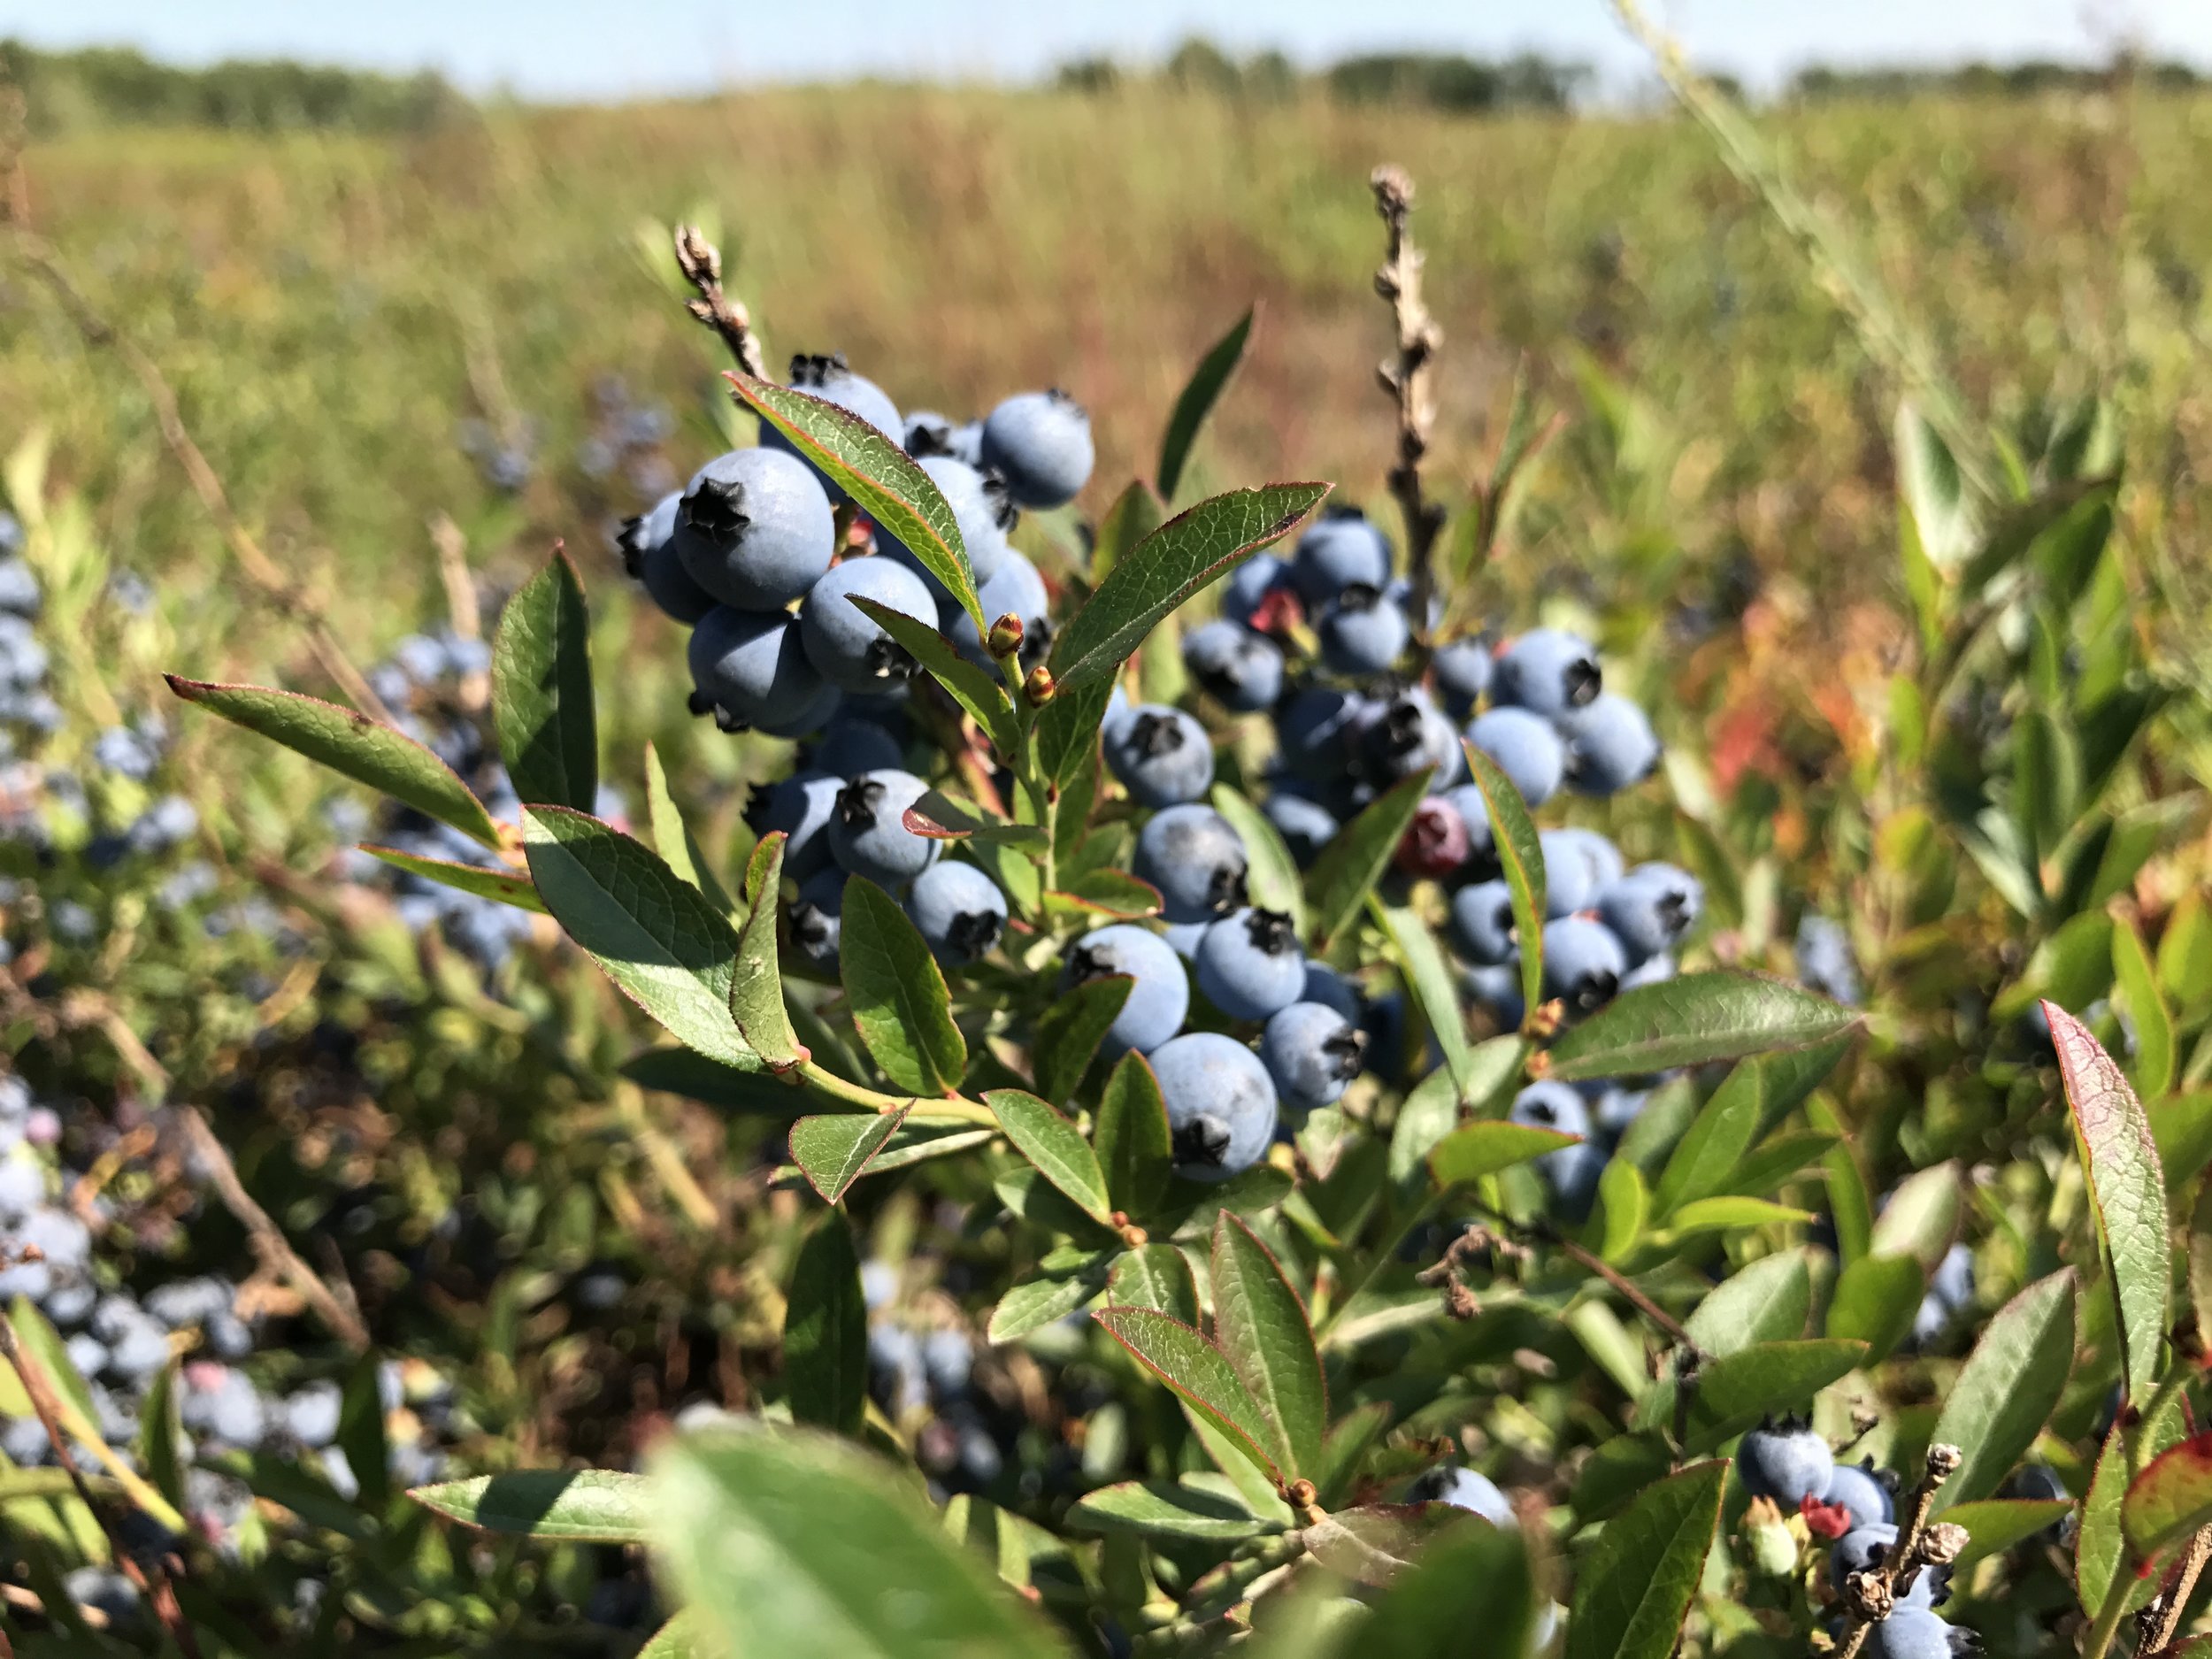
(1220, 1104)
(1525, 749)
(1497, 989)
(1392, 740)
(1482, 923)
(800, 806)
(979, 507)
(1461, 671)
(752, 666)
(1342, 549)
(847, 647)
(1615, 1108)
(813, 922)
(1824, 962)
(1463, 1489)
(106, 1591)
(1651, 909)
(311, 1412)
(1466, 800)
(1183, 937)
(1311, 1051)
(1602, 858)
(827, 377)
(849, 746)
(1017, 590)
(927, 434)
(958, 909)
(1554, 1106)
(1040, 442)
(647, 546)
(1248, 588)
(1548, 672)
(754, 529)
(1609, 745)
(1314, 732)
(1952, 1280)
(1158, 999)
(1196, 861)
(1162, 755)
(1325, 985)
(1652, 970)
(1572, 1173)
(1785, 1461)
(1855, 1488)
(1570, 877)
(1304, 824)
(1249, 966)
(1583, 964)
(1238, 669)
(22, 1188)
(1913, 1633)
(19, 587)
(867, 833)
(1361, 631)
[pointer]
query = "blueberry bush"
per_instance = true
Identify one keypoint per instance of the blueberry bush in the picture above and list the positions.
(1244, 1078)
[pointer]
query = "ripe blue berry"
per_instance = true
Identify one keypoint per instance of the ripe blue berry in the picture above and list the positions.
(1016, 591)
(1314, 732)
(1824, 962)
(1652, 970)
(1583, 964)
(1613, 1108)
(1325, 985)
(1160, 995)
(1311, 1051)
(1249, 964)
(1855, 1488)
(867, 833)
(1525, 749)
(1554, 1106)
(1040, 442)
(1651, 909)
(1304, 824)
(647, 546)
(1609, 745)
(847, 647)
(801, 806)
(1408, 733)
(752, 665)
(1196, 861)
(1913, 1633)
(958, 909)
(1482, 923)
(1548, 672)
(1238, 669)
(849, 746)
(754, 529)
(813, 922)
(979, 507)
(1183, 937)
(1220, 1104)
(1463, 1489)
(1497, 990)
(1570, 878)
(1162, 755)
(828, 377)
(1785, 1461)
(1461, 673)
(1343, 549)
(1361, 631)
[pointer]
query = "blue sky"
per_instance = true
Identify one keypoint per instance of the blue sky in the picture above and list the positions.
(561, 49)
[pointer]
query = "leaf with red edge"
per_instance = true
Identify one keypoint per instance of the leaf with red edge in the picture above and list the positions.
(1200, 1374)
(1634, 1589)
(2113, 1135)
(1262, 1325)
(2170, 1499)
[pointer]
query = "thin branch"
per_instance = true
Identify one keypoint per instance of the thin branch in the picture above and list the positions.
(2162, 1619)
(1410, 379)
(44, 260)
(1870, 1595)
(701, 262)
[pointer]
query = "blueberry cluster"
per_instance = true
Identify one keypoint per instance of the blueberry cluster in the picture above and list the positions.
(120, 1334)
(507, 460)
(923, 1377)
(27, 709)
(625, 437)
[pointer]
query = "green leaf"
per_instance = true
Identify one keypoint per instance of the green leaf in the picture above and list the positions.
(1159, 1508)
(1054, 1145)
(897, 992)
(1270, 874)
(1375, 1543)
(2170, 1499)
(881, 479)
(743, 1085)
(1067, 731)
(1430, 979)
(800, 1546)
(2182, 1124)
(1994, 1526)
(1634, 1589)
(1766, 1302)
(1469, 1591)
(940, 817)
(982, 694)
(1875, 1299)
(1717, 1215)
(1201, 1376)
(668, 950)
(833, 1152)
(1757, 1091)
(757, 1003)
(1623, 1206)
(2185, 955)
(2153, 1067)
(50, 1353)
(1694, 1020)
(1069, 1033)
(2114, 1138)
(351, 743)
(1053, 1294)
(577, 1506)
(1158, 1276)
(673, 838)
(542, 701)
(825, 1331)
(1260, 1323)
(1197, 400)
(1938, 512)
(1734, 1391)
(1136, 513)
(1114, 893)
(1922, 1217)
(678, 1638)
(161, 1437)
(1474, 1150)
(361, 1431)
(482, 881)
(1521, 858)
(2099, 1541)
(1346, 872)
(1134, 1146)
(2009, 1388)
(1183, 556)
